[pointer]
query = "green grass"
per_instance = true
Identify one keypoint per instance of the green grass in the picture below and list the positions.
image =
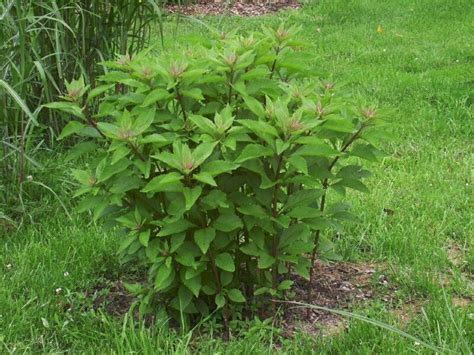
(420, 68)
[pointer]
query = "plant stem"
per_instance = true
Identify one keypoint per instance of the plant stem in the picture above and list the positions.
(275, 237)
(225, 310)
(322, 206)
(272, 71)
(179, 98)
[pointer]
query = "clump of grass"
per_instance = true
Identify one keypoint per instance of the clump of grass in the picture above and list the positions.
(42, 44)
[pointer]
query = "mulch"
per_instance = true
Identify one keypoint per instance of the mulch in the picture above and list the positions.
(236, 7)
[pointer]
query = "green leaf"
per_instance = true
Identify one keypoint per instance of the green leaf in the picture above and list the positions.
(159, 183)
(162, 277)
(175, 228)
(225, 262)
(194, 284)
(185, 297)
(255, 106)
(82, 176)
(353, 184)
(218, 167)
(321, 150)
(265, 261)
(154, 96)
(110, 170)
(204, 124)
(227, 223)
(365, 151)
(235, 295)
(194, 93)
(68, 107)
(144, 237)
(144, 121)
(176, 241)
(154, 138)
(285, 285)
(303, 198)
(301, 212)
(259, 127)
(170, 159)
(299, 163)
(202, 152)
(191, 196)
(205, 178)
(72, 127)
(302, 267)
(98, 90)
(220, 300)
(338, 124)
(204, 238)
(253, 151)
(256, 211)
(110, 130)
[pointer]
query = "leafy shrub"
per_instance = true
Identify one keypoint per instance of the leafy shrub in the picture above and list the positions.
(217, 165)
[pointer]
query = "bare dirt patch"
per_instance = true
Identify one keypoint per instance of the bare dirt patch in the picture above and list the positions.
(236, 7)
(339, 286)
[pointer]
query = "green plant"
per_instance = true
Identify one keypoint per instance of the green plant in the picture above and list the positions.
(218, 166)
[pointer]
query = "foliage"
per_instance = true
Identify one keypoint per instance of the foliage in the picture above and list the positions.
(217, 165)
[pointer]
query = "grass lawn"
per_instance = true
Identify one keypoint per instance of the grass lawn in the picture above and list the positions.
(417, 219)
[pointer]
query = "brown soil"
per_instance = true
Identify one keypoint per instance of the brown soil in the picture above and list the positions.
(237, 7)
(339, 286)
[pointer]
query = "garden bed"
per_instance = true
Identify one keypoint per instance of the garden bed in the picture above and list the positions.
(237, 8)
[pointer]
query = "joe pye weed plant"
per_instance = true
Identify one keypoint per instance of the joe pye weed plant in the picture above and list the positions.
(218, 165)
